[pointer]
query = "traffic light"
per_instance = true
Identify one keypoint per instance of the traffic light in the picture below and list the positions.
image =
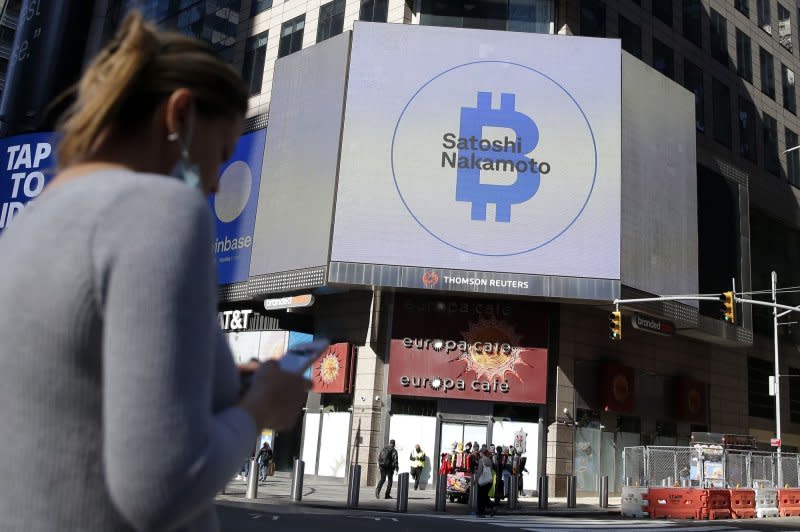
(726, 306)
(615, 325)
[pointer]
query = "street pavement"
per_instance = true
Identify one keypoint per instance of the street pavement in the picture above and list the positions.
(239, 517)
(332, 493)
(323, 509)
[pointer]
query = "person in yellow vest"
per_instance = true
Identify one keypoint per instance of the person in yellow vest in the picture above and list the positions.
(417, 464)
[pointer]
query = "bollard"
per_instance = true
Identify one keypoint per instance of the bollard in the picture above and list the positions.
(513, 492)
(572, 489)
(543, 480)
(441, 493)
(604, 491)
(353, 486)
(297, 480)
(402, 492)
(252, 480)
(473, 496)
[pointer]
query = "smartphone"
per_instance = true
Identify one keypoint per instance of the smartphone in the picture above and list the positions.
(300, 357)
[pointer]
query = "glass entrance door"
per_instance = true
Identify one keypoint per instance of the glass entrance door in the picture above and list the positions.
(455, 432)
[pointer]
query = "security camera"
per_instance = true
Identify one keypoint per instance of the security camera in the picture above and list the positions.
(378, 398)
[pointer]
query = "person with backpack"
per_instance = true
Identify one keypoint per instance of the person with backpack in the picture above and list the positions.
(264, 461)
(387, 462)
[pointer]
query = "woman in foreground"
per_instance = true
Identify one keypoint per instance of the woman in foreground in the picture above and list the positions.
(109, 342)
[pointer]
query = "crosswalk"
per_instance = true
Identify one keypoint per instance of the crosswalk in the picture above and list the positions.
(583, 524)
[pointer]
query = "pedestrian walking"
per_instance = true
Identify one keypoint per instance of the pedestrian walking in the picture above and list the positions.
(498, 463)
(128, 348)
(418, 459)
(264, 461)
(483, 480)
(387, 462)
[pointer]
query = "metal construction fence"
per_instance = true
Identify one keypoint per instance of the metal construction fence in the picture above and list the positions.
(708, 466)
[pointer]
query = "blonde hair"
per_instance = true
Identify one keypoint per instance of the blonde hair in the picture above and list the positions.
(133, 74)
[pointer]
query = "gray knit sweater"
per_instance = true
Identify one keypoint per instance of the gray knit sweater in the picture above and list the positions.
(117, 389)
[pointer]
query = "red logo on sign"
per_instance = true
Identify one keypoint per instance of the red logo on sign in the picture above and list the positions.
(430, 278)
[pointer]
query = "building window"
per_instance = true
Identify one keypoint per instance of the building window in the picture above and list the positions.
(663, 58)
(533, 16)
(291, 36)
(662, 10)
(744, 56)
(374, 10)
(691, 21)
(593, 18)
(769, 134)
(792, 160)
(255, 52)
(331, 20)
(759, 402)
(693, 81)
(764, 15)
(719, 38)
(767, 73)
(784, 28)
(789, 95)
(747, 129)
(721, 99)
(743, 6)
(258, 6)
(631, 36)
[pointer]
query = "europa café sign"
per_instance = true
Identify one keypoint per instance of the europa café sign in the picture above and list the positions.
(333, 371)
(463, 349)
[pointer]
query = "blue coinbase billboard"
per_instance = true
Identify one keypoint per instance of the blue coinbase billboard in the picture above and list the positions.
(234, 207)
(27, 163)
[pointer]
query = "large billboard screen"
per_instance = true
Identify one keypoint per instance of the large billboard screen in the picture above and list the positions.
(481, 150)
(234, 206)
(293, 226)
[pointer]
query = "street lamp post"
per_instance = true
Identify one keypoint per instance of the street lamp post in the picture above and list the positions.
(776, 378)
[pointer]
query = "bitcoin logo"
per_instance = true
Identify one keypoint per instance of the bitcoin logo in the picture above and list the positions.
(469, 187)
(494, 159)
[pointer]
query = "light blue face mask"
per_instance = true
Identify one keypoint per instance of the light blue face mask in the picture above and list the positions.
(184, 169)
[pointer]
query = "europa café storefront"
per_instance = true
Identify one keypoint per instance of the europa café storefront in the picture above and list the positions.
(467, 370)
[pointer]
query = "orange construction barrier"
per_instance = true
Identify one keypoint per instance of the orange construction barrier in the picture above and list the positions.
(743, 503)
(717, 504)
(789, 502)
(677, 503)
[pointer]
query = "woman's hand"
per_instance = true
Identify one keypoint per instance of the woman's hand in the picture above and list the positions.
(275, 397)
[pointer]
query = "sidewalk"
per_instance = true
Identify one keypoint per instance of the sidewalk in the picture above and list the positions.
(331, 493)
